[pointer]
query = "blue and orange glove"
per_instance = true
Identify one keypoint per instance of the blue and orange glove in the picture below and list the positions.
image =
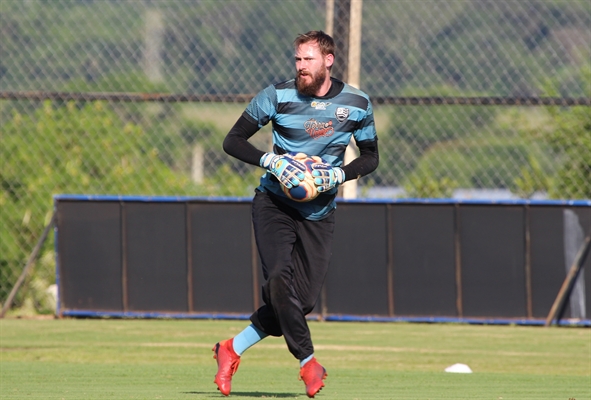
(327, 177)
(289, 171)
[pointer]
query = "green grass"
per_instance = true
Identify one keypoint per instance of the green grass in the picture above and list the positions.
(172, 359)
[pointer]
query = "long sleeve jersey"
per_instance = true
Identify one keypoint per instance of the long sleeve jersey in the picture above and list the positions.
(320, 126)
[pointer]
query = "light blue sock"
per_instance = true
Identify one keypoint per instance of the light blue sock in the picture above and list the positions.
(248, 337)
(305, 360)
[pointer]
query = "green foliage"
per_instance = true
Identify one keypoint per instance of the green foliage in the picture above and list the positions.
(39, 290)
(124, 82)
(511, 45)
(535, 173)
(483, 163)
(572, 138)
(426, 125)
(449, 150)
(423, 185)
(501, 48)
(529, 150)
(562, 166)
(86, 149)
(92, 148)
(97, 38)
(225, 182)
(45, 54)
(532, 179)
(413, 131)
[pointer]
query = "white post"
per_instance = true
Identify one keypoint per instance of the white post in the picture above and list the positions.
(329, 17)
(153, 45)
(354, 64)
(353, 78)
(197, 164)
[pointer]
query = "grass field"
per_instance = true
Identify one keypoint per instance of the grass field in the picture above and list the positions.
(172, 359)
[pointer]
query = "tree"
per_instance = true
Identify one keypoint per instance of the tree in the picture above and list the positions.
(572, 140)
(70, 148)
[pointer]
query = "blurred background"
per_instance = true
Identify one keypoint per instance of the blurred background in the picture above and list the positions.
(473, 99)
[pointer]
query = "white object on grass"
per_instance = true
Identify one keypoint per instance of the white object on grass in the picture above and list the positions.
(459, 368)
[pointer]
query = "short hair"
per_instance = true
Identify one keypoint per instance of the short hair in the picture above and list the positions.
(325, 42)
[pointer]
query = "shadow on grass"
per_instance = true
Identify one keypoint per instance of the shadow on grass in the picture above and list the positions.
(249, 394)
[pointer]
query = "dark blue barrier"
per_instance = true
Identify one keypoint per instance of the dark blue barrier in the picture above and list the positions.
(409, 259)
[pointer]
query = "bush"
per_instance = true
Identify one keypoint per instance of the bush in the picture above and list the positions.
(69, 148)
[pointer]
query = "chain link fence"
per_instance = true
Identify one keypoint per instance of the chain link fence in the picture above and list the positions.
(134, 97)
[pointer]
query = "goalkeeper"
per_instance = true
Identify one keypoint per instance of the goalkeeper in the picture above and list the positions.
(317, 115)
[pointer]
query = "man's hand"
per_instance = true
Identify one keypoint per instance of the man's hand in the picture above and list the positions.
(290, 172)
(326, 176)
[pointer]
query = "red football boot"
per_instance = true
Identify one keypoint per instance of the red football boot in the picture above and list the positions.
(312, 373)
(228, 362)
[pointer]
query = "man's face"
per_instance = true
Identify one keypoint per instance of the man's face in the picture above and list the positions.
(311, 68)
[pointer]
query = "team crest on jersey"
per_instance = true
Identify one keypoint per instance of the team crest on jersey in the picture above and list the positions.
(320, 105)
(342, 113)
(317, 129)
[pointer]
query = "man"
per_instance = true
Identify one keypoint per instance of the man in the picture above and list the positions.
(317, 115)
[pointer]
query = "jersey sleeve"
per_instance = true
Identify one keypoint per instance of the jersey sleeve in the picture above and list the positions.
(366, 128)
(263, 107)
(236, 142)
(366, 140)
(367, 161)
(257, 114)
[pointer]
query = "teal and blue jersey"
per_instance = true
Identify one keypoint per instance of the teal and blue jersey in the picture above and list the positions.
(320, 126)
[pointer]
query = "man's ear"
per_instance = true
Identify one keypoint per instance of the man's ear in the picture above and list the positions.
(329, 60)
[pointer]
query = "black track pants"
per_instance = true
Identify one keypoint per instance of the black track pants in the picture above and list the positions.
(295, 254)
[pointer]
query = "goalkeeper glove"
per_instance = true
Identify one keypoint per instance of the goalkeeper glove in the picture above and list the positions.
(327, 177)
(290, 172)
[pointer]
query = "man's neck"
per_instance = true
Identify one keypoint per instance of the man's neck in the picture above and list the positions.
(325, 88)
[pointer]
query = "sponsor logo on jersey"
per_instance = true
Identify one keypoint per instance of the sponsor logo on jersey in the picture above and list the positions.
(342, 113)
(320, 105)
(317, 129)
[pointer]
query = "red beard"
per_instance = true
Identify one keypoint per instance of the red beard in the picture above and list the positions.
(310, 89)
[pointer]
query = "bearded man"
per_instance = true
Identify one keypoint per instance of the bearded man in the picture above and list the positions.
(318, 115)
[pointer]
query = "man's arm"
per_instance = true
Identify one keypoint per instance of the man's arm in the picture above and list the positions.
(327, 177)
(288, 171)
(366, 163)
(237, 145)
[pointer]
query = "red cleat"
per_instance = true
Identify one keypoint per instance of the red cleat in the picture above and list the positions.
(312, 373)
(228, 362)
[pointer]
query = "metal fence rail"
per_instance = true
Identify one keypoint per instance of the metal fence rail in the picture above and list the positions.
(240, 98)
(472, 99)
